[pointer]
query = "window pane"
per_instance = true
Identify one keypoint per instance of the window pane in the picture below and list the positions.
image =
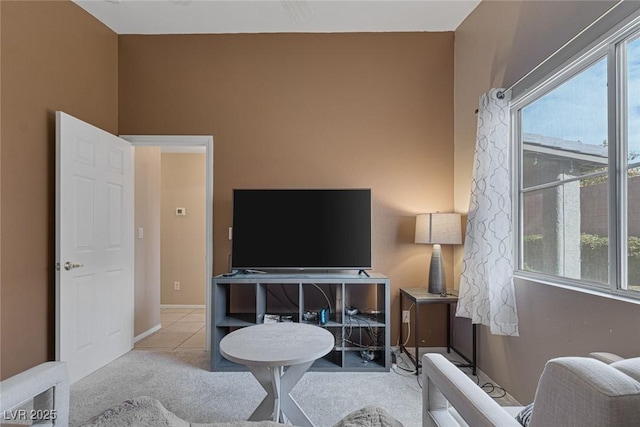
(565, 131)
(565, 221)
(633, 168)
(633, 243)
(565, 230)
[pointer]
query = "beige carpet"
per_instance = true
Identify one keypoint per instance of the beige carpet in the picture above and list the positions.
(181, 381)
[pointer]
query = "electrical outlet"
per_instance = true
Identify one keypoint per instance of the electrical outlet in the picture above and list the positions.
(406, 316)
(176, 286)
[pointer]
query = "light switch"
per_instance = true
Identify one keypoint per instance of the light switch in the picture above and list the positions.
(181, 211)
(140, 232)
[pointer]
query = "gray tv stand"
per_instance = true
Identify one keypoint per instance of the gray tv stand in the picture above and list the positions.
(362, 339)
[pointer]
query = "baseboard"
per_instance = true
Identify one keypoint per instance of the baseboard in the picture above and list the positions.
(147, 333)
(182, 306)
(421, 350)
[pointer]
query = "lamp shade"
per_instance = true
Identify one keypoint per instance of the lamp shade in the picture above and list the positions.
(438, 228)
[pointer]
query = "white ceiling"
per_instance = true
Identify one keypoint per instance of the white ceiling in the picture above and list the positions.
(277, 16)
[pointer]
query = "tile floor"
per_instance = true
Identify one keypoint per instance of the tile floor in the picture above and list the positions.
(182, 328)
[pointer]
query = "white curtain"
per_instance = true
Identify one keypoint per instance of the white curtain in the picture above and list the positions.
(486, 287)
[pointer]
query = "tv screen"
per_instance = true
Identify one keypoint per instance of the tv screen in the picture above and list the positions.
(301, 229)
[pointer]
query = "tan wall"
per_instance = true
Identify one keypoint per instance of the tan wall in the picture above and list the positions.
(310, 110)
(147, 262)
(496, 45)
(183, 240)
(54, 57)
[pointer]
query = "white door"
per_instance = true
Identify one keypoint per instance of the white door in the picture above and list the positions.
(94, 246)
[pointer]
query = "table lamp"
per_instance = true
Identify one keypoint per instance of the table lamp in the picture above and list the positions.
(438, 229)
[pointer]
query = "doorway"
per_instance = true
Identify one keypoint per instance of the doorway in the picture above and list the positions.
(188, 143)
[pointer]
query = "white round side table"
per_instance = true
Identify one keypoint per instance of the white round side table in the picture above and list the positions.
(278, 354)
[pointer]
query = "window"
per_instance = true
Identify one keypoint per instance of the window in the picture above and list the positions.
(578, 170)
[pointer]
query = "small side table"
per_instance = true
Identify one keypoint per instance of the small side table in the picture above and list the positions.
(278, 354)
(420, 296)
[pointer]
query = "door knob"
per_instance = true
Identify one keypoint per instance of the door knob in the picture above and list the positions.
(70, 266)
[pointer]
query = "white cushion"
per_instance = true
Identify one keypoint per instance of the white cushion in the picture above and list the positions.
(630, 367)
(577, 391)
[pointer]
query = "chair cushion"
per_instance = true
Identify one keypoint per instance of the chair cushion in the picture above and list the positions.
(369, 416)
(630, 367)
(578, 391)
(143, 411)
(146, 411)
(524, 416)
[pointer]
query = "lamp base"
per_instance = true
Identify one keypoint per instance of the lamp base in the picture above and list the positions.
(436, 272)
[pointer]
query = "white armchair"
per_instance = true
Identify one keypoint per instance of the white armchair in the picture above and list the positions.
(47, 385)
(572, 391)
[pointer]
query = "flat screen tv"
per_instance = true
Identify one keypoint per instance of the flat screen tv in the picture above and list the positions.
(313, 229)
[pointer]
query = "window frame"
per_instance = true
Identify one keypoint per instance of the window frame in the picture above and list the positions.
(609, 46)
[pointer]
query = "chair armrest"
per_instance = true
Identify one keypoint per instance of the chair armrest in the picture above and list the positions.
(47, 385)
(445, 384)
(607, 358)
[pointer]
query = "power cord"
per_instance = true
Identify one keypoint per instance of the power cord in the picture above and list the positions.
(408, 327)
(286, 294)
(325, 296)
(488, 387)
(401, 366)
(289, 307)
